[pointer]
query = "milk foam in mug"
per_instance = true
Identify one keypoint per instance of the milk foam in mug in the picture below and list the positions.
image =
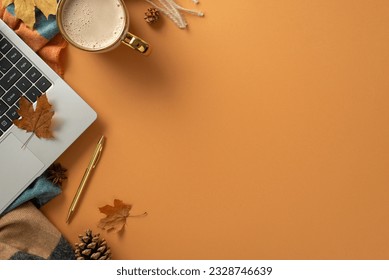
(97, 25)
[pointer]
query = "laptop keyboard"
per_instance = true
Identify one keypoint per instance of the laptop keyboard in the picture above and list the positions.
(18, 77)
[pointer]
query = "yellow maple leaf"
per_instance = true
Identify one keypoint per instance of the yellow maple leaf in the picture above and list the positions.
(25, 9)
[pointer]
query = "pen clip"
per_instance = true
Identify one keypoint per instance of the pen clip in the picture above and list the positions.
(98, 157)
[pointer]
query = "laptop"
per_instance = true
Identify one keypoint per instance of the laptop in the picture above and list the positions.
(24, 73)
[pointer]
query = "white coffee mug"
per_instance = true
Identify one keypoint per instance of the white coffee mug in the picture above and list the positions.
(97, 25)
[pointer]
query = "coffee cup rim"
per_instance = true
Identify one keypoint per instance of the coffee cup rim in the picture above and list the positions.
(75, 44)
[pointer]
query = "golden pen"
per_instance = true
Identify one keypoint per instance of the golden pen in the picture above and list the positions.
(92, 164)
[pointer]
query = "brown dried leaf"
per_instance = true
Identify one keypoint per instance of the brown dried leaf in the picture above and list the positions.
(38, 121)
(25, 9)
(116, 216)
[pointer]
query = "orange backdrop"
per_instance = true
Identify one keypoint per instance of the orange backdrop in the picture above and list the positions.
(260, 132)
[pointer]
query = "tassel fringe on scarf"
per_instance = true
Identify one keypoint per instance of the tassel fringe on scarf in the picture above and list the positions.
(174, 11)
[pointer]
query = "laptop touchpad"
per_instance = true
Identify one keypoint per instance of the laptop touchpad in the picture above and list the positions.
(17, 167)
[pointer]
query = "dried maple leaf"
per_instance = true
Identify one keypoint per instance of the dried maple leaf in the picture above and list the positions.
(39, 121)
(116, 216)
(25, 9)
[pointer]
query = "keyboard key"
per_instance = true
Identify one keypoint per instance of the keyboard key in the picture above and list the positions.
(33, 74)
(5, 65)
(33, 93)
(3, 108)
(43, 84)
(14, 55)
(23, 65)
(5, 123)
(23, 84)
(5, 46)
(10, 78)
(11, 96)
(2, 91)
(12, 113)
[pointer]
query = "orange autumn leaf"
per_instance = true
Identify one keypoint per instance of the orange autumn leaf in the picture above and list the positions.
(116, 216)
(37, 121)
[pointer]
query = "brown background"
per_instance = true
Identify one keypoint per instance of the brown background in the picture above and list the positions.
(261, 132)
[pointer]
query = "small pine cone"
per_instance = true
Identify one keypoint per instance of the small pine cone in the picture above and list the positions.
(152, 15)
(92, 247)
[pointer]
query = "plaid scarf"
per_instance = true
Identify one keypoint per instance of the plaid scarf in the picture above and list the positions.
(26, 234)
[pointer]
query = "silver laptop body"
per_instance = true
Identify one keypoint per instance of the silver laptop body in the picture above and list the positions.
(19, 167)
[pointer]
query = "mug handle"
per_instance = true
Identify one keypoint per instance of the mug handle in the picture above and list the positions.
(136, 43)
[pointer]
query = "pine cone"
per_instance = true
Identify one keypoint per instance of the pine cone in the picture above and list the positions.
(56, 174)
(92, 247)
(152, 15)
